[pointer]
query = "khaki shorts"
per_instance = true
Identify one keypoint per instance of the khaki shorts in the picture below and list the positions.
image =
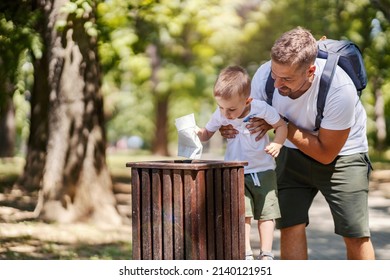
(261, 202)
(343, 183)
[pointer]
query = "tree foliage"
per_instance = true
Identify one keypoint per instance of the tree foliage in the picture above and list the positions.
(159, 60)
(190, 45)
(18, 42)
(193, 44)
(193, 39)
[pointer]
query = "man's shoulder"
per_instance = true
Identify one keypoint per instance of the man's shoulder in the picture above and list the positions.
(341, 77)
(263, 70)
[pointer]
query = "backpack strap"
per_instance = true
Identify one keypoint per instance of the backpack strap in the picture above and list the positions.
(326, 80)
(269, 88)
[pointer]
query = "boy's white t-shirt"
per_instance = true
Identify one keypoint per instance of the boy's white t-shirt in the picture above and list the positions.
(343, 108)
(244, 147)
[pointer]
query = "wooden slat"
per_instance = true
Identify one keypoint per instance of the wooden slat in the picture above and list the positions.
(210, 198)
(178, 214)
(146, 217)
(241, 209)
(227, 215)
(200, 186)
(219, 215)
(234, 213)
(136, 214)
(191, 236)
(167, 190)
(156, 193)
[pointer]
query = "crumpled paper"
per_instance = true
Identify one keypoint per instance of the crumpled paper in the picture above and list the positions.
(189, 144)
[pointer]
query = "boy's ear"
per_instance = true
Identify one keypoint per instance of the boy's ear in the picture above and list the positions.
(249, 100)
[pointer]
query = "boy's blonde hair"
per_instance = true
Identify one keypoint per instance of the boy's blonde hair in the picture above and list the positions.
(232, 80)
(295, 47)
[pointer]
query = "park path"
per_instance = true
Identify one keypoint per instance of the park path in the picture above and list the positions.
(325, 245)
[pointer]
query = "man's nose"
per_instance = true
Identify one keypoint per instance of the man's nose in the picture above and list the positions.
(278, 82)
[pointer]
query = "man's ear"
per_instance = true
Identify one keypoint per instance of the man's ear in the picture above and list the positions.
(312, 70)
(248, 100)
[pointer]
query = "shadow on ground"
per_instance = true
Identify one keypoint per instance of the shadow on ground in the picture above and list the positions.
(24, 238)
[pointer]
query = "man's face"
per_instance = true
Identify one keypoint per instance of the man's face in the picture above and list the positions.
(291, 81)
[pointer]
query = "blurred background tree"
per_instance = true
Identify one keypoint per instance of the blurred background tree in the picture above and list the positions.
(66, 154)
(173, 50)
(157, 60)
(18, 38)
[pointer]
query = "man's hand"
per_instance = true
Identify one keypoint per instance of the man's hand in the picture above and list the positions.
(227, 131)
(257, 125)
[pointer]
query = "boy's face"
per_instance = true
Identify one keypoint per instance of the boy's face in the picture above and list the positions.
(233, 107)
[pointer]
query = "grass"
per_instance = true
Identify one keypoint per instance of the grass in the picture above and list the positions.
(37, 241)
(380, 159)
(34, 240)
(10, 169)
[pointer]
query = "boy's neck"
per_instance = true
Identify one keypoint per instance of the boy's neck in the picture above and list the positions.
(246, 112)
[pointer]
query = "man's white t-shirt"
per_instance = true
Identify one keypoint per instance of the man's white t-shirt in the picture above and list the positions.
(244, 147)
(343, 108)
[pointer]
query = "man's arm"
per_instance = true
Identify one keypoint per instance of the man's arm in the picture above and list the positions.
(323, 147)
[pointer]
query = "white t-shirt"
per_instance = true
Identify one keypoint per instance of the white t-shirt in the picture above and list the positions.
(343, 108)
(244, 147)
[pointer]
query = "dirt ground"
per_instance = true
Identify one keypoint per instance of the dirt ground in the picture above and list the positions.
(22, 237)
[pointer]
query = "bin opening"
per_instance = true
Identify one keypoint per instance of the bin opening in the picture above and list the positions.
(187, 164)
(183, 161)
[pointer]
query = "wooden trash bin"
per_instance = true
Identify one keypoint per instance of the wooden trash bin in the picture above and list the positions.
(188, 209)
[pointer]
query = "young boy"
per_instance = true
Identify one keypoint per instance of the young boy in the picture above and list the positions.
(236, 107)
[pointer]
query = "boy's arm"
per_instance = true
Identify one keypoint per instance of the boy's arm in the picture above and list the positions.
(203, 134)
(280, 136)
(280, 131)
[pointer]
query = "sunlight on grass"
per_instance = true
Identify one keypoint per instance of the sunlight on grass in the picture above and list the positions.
(11, 166)
(380, 159)
(116, 160)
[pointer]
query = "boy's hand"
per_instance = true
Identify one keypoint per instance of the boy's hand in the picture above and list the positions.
(273, 149)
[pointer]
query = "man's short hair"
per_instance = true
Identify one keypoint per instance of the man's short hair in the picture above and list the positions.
(295, 47)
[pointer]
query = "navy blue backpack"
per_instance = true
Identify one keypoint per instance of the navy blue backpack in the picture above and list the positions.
(344, 53)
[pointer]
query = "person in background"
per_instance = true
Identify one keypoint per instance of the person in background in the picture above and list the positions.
(236, 107)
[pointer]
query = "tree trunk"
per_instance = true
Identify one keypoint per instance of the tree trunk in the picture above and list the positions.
(31, 178)
(382, 5)
(160, 145)
(160, 142)
(7, 129)
(76, 184)
(380, 119)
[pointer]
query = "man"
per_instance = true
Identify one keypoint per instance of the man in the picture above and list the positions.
(332, 160)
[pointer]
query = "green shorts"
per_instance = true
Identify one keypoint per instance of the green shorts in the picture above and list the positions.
(261, 202)
(343, 183)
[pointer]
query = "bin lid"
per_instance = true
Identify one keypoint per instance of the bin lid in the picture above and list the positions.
(187, 164)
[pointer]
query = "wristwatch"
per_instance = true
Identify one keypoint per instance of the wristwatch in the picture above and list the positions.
(286, 120)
